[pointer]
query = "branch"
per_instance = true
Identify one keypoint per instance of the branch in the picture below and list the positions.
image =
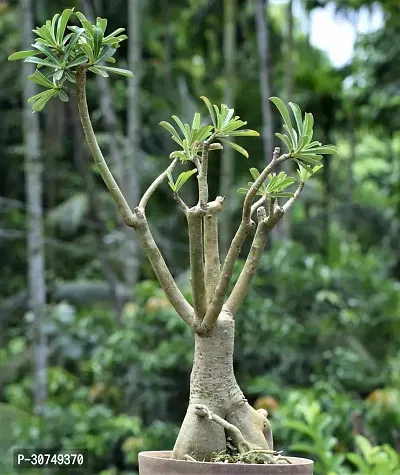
(211, 250)
(202, 175)
(156, 183)
(91, 140)
(265, 226)
(181, 204)
(276, 160)
(195, 221)
(289, 203)
(234, 250)
(168, 284)
(257, 204)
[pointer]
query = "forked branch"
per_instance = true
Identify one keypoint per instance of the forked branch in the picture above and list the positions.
(246, 225)
(136, 219)
(265, 226)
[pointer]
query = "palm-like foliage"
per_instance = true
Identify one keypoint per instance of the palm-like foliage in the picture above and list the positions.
(60, 49)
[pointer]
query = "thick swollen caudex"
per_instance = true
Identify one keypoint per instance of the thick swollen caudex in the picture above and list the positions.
(213, 384)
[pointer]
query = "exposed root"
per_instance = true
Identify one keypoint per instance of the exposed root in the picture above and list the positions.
(237, 437)
(190, 458)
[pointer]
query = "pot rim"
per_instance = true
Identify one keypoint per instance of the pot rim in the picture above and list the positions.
(165, 454)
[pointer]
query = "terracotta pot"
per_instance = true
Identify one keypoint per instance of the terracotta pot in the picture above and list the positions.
(159, 463)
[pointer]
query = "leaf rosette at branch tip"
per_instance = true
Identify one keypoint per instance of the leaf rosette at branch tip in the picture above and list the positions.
(307, 153)
(275, 188)
(60, 49)
(194, 137)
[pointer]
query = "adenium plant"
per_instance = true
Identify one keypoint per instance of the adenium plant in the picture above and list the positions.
(217, 409)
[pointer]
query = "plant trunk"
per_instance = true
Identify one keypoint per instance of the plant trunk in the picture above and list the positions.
(213, 384)
(34, 191)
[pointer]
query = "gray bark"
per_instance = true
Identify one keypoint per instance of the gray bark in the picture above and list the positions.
(227, 163)
(261, 17)
(33, 190)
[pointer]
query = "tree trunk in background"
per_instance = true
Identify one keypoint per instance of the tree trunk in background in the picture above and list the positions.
(227, 163)
(133, 151)
(33, 191)
(262, 26)
(352, 158)
(129, 256)
(283, 230)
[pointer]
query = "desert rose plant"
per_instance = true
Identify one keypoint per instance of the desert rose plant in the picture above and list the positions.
(218, 417)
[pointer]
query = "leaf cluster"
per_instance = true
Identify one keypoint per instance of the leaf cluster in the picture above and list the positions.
(194, 137)
(274, 188)
(60, 49)
(307, 153)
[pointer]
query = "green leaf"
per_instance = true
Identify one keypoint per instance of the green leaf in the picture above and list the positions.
(98, 71)
(233, 125)
(179, 155)
(97, 41)
(171, 181)
(183, 178)
(210, 109)
(285, 139)
(22, 55)
(324, 150)
(102, 24)
(172, 131)
(244, 133)
(41, 62)
(48, 52)
(58, 75)
(40, 103)
(80, 59)
(106, 53)
(88, 51)
(308, 124)
(181, 126)
(297, 115)
(227, 117)
(85, 23)
(54, 22)
(122, 72)
(309, 158)
(285, 115)
(41, 79)
(254, 173)
(44, 33)
(62, 24)
(196, 121)
(63, 96)
(237, 147)
(218, 117)
(114, 33)
(72, 42)
(243, 191)
(306, 167)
